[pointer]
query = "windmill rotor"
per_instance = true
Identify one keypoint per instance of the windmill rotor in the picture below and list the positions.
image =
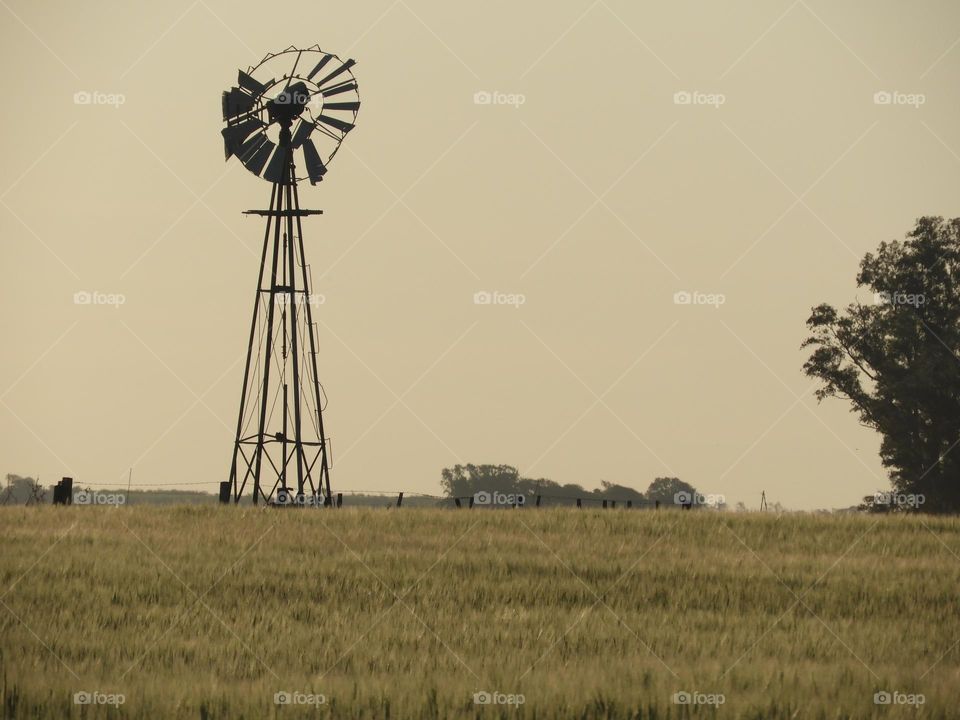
(301, 102)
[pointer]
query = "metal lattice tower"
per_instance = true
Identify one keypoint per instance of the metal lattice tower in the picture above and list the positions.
(281, 449)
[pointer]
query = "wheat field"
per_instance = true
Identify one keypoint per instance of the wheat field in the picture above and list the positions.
(226, 612)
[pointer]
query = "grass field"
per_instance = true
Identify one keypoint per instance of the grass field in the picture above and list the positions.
(209, 612)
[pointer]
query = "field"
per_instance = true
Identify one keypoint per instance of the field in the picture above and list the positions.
(209, 612)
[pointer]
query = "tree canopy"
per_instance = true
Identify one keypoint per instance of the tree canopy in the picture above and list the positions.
(895, 360)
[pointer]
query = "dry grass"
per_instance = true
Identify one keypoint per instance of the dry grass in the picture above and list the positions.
(208, 612)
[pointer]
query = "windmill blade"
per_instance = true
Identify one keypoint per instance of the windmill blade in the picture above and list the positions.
(342, 106)
(236, 102)
(251, 145)
(255, 162)
(302, 133)
(248, 83)
(277, 168)
(234, 135)
(315, 166)
(319, 66)
(342, 69)
(337, 89)
(340, 125)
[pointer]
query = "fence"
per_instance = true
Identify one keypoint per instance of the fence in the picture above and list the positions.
(471, 501)
(491, 500)
(63, 495)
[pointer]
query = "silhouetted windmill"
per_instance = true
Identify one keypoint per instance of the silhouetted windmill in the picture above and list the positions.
(293, 104)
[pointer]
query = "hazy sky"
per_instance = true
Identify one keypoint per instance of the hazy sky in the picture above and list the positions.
(595, 192)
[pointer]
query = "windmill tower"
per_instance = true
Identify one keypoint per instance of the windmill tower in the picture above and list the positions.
(287, 115)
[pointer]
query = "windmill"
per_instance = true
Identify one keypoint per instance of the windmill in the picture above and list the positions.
(286, 115)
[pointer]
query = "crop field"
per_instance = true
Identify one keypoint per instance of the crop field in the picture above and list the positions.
(211, 612)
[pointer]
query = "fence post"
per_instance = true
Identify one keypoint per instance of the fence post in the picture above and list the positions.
(538, 501)
(656, 505)
(339, 499)
(63, 492)
(471, 502)
(457, 501)
(604, 504)
(613, 503)
(579, 503)
(225, 492)
(629, 504)
(399, 499)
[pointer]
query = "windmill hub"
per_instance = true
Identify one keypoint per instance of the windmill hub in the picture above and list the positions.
(288, 105)
(281, 447)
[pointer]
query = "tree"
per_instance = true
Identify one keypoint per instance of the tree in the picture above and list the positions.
(21, 490)
(466, 480)
(667, 490)
(896, 360)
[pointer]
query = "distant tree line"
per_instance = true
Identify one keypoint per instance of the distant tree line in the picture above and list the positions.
(462, 481)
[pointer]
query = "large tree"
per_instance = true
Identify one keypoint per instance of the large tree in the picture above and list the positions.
(465, 480)
(896, 359)
(666, 490)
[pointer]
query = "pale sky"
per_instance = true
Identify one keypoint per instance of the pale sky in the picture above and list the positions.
(597, 195)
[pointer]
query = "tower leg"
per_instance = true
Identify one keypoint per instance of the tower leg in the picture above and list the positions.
(237, 485)
(324, 463)
(265, 391)
(292, 304)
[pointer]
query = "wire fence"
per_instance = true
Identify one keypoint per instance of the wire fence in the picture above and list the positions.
(63, 494)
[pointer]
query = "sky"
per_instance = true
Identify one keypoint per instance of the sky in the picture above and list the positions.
(654, 194)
